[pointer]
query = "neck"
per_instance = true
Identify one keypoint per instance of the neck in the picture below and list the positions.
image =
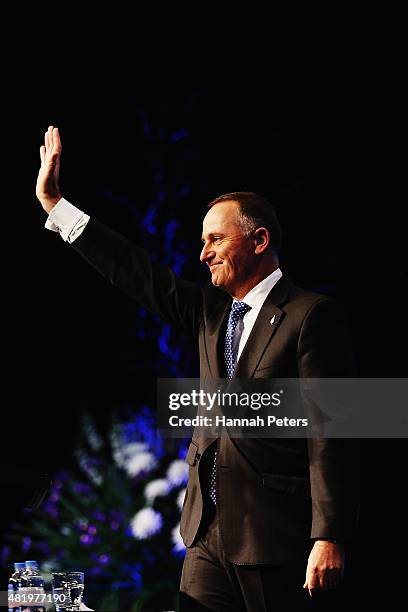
(240, 292)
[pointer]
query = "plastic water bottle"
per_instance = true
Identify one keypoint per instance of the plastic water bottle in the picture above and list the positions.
(32, 584)
(14, 582)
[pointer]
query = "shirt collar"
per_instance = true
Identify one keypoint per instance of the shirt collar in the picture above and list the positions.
(259, 293)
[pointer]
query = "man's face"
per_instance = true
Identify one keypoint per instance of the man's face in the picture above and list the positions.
(228, 253)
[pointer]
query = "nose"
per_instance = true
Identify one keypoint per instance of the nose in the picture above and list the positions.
(206, 253)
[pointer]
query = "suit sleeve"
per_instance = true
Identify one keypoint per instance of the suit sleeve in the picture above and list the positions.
(325, 351)
(130, 268)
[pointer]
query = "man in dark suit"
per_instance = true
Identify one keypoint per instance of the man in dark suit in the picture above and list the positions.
(258, 512)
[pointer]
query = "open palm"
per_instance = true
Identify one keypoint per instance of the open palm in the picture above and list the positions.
(47, 188)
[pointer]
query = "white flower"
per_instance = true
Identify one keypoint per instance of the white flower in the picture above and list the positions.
(177, 539)
(140, 463)
(125, 453)
(157, 487)
(145, 523)
(180, 498)
(134, 457)
(134, 447)
(177, 473)
(119, 458)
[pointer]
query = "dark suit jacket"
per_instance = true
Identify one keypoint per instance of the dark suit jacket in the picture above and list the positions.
(273, 495)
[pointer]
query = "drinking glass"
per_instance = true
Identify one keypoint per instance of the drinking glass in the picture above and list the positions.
(67, 589)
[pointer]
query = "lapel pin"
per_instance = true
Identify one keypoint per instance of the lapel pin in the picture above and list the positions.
(272, 321)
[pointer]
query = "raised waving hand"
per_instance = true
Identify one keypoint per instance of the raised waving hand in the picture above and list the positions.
(47, 188)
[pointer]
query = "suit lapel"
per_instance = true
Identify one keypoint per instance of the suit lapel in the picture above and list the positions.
(259, 338)
(261, 334)
(263, 330)
(214, 338)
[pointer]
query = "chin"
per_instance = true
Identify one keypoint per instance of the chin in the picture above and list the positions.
(216, 281)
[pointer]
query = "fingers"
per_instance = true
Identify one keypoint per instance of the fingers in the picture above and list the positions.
(56, 140)
(334, 577)
(50, 138)
(310, 590)
(47, 141)
(322, 582)
(331, 579)
(52, 144)
(311, 582)
(306, 586)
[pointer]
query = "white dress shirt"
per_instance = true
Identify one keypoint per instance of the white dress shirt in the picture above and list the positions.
(254, 298)
(67, 220)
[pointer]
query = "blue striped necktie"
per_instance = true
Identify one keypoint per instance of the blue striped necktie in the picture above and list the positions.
(237, 312)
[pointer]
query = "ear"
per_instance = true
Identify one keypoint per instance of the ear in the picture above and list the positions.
(262, 240)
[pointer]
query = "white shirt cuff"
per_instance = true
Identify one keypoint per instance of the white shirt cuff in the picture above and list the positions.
(67, 220)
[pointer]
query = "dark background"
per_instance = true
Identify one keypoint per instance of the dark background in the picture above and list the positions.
(330, 161)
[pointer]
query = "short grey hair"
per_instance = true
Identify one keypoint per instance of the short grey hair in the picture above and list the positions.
(255, 211)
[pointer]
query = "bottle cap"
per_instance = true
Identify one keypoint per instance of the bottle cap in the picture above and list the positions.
(19, 565)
